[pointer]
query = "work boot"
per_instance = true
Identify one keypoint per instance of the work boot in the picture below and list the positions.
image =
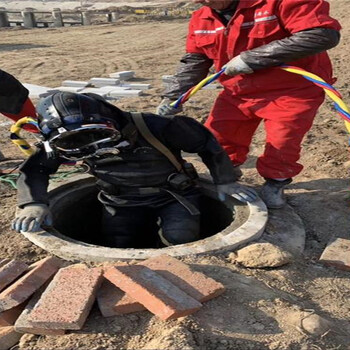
(272, 193)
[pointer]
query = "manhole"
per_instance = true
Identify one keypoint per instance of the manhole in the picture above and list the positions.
(226, 225)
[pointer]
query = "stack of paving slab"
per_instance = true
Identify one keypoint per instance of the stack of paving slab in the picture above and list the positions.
(114, 87)
(49, 297)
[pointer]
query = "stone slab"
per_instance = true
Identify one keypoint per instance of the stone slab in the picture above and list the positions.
(25, 286)
(5, 261)
(99, 82)
(74, 89)
(195, 284)
(9, 317)
(156, 293)
(94, 91)
(113, 301)
(75, 83)
(68, 299)
(23, 325)
(8, 337)
(123, 75)
(337, 254)
(135, 86)
(11, 271)
(124, 93)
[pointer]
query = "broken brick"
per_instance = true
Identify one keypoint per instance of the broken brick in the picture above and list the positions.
(9, 317)
(8, 337)
(68, 299)
(195, 284)
(156, 293)
(9, 272)
(23, 325)
(25, 286)
(337, 254)
(4, 262)
(113, 301)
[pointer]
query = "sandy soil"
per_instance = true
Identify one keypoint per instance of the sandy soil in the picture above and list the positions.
(255, 311)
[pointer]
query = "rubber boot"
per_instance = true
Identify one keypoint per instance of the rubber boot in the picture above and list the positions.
(272, 193)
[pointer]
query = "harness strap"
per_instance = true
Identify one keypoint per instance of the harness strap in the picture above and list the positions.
(147, 134)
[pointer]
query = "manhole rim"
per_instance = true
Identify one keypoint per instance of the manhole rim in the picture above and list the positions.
(74, 250)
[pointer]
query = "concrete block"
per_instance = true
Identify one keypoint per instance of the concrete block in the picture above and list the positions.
(75, 83)
(157, 294)
(195, 284)
(9, 317)
(11, 271)
(124, 93)
(94, 91)
(137, 86)
(25, 286)
(68, 299)
(36, 91)
(68, 89)
(337, 254)
(99, 82)
(23, 324)
(113, 301)
(109, 88)
(8, 337)
(123, 75)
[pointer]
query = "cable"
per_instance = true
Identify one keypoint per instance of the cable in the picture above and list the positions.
(330, 91)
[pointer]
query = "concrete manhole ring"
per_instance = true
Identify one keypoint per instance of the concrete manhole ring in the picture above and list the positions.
(251, 223)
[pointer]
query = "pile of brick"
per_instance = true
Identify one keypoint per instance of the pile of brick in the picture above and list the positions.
(114, 87)
(46, 298)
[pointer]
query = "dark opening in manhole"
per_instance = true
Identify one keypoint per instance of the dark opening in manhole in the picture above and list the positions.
(78, 216)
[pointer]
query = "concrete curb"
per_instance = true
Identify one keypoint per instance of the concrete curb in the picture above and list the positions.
(254, 221)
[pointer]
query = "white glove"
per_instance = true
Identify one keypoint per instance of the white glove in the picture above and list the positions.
(237, 66)
(165, 109)
(242, 193)
(31, 217)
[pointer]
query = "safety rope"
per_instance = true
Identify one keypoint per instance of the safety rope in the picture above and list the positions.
(16, 138)
(59, 176)
(331, 92)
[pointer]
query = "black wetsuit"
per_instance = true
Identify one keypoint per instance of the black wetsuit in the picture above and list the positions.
(134, 183)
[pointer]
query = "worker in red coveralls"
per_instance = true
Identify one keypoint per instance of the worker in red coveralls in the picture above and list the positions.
(14, 101)
(251, 38)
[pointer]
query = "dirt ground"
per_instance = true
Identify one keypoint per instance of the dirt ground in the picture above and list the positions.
(255, 312)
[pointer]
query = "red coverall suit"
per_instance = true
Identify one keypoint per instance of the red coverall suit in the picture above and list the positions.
(286, 102)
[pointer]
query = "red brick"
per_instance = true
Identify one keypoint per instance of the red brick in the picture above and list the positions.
(195, 284)
(9, 317)
(153, 291)
(23, 325)
(4, 262)
(113, 301)
(68, 299)
(8, 337)
(337, 254)
(11, 271)
(25, 286)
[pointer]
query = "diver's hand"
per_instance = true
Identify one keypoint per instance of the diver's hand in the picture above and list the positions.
(236, 190)
(31, 217)
(165, 109)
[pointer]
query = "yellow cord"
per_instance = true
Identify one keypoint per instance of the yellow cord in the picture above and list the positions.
(16, 128)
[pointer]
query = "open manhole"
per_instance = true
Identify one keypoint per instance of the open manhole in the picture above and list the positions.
(224, 226)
